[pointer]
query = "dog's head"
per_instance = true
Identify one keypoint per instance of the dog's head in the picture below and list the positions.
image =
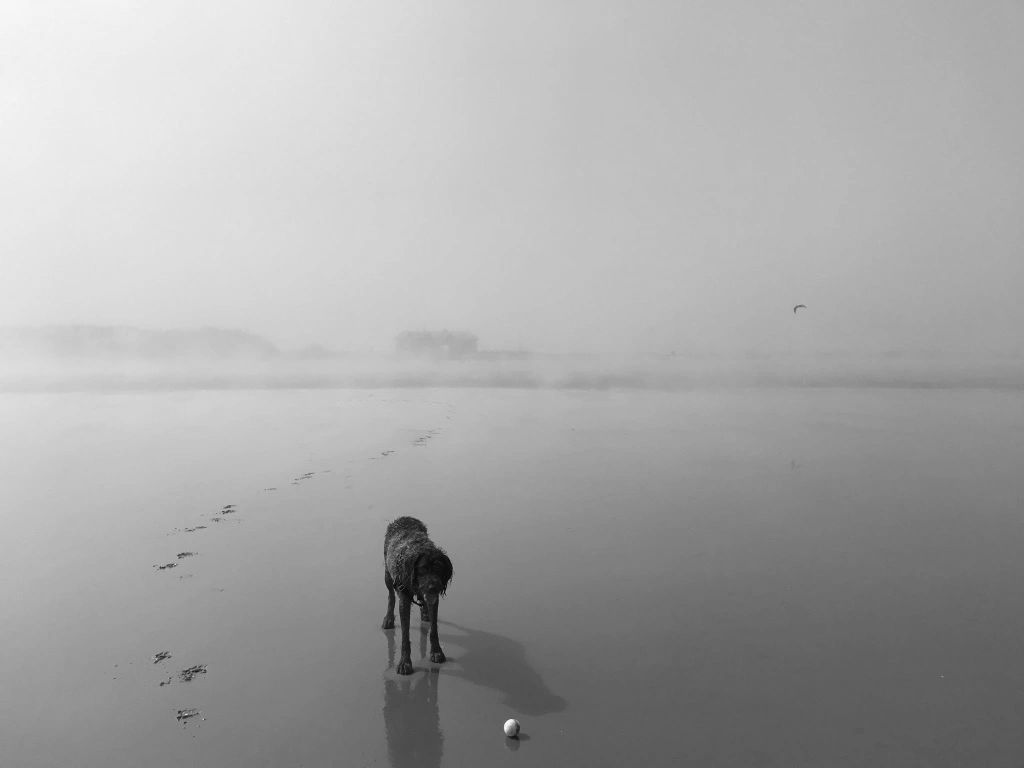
(431, 574)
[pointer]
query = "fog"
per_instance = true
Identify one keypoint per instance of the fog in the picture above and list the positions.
(128, 359)
(579, 177)
(273, 274)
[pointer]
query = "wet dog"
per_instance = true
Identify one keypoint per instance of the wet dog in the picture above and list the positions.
(419, 571)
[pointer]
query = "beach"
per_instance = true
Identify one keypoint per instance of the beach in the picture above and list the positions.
(717, 576)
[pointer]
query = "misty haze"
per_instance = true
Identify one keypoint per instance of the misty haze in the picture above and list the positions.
(689, 330)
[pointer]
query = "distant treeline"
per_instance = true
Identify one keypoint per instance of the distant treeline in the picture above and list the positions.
(105, 342)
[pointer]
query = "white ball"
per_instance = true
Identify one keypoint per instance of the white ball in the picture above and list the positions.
(512, 728)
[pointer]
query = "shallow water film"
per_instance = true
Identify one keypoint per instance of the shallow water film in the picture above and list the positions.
(735, 577)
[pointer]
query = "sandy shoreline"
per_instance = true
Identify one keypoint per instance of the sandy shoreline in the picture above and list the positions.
(699, 578)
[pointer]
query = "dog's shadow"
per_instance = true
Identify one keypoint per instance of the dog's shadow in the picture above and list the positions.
(489, 660)
(412, 722)
(498, 662)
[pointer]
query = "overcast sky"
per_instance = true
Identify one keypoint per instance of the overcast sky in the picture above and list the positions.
(557, 175)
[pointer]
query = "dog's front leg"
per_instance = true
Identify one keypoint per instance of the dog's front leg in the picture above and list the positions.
(436, 654)
(389, 617)
(404, 609)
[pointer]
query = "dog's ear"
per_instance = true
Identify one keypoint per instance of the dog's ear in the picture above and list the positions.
(445, 566)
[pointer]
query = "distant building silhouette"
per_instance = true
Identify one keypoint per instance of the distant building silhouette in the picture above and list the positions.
(438, 344)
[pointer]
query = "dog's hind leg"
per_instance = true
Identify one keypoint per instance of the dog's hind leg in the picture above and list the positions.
(424, 610)
(404, 609)
(436, 654)
(389, 617)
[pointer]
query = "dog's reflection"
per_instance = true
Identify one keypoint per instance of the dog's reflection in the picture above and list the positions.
(412, 723)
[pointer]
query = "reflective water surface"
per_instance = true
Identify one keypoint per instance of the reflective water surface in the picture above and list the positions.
(771, 577)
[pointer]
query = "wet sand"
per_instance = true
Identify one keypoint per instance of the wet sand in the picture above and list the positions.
(764, 577)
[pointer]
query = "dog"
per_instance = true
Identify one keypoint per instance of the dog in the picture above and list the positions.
(414, 567)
